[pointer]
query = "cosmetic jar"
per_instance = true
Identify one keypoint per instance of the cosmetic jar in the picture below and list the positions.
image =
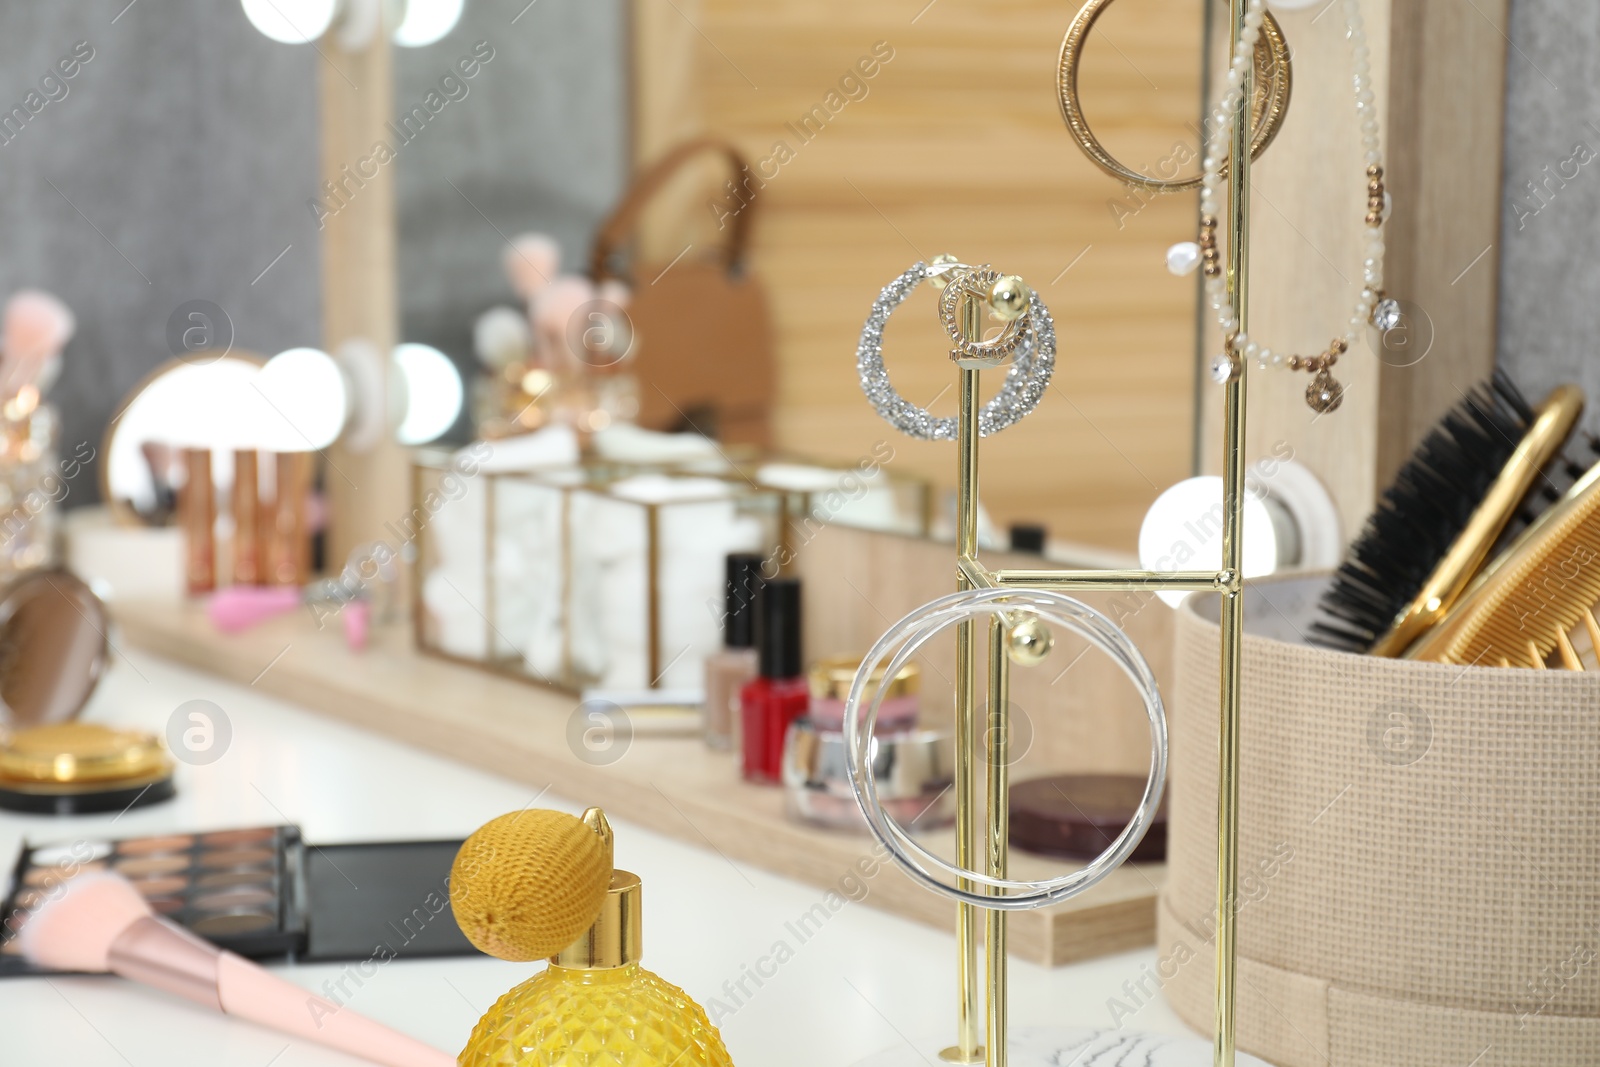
(1072, 816)
(914, 770)
(830, 681)
(75, 768)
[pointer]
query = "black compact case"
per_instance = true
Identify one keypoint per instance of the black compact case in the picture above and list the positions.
(263, 892)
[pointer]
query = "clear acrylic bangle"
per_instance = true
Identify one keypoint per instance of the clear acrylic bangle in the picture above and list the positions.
(899, 645)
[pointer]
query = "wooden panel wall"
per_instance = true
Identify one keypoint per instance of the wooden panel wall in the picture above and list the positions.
(1439, 74)
(954, 145)
(1073, 713)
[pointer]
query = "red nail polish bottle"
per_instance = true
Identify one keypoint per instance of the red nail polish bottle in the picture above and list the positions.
(778, 695)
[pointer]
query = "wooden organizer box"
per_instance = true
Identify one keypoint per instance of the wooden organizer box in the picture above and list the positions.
(677, 786)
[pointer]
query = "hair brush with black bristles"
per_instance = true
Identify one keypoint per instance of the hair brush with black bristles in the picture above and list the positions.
(1448, 506)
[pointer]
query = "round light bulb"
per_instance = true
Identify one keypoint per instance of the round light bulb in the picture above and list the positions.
(209, 405)
(306, 399)
(426, 21)
(291, 21)
(1182, 531)
(433, 392)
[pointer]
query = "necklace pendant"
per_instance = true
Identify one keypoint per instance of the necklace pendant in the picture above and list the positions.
(1386, 314)
(1324, 394)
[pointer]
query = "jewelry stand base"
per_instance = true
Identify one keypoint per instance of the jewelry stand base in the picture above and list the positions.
(1051, 1046)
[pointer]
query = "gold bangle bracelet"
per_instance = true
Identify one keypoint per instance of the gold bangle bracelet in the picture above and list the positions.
(1268, 106)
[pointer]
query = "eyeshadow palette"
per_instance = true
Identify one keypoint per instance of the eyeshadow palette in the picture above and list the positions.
(262, 892)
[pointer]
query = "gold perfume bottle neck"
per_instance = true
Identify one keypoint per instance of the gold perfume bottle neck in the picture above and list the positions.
(617, 937)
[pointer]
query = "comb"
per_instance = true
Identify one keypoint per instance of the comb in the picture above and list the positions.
(1438, 522)
(1542, 587)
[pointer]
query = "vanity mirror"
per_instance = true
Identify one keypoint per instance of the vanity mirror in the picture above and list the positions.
(300, 400)
(197, 401)
(53, 648)
(569, 104)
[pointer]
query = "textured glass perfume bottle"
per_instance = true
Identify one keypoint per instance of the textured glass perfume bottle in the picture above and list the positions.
(594, 1006)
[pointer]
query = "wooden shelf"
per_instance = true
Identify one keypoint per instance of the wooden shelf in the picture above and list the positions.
(675, 786)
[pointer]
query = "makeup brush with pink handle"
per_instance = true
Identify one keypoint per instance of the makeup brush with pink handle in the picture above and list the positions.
(37, 327)
(239, 607)
(100, 923)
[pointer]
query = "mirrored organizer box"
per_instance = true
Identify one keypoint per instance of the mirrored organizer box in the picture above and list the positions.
(261, 892)
(597, 574)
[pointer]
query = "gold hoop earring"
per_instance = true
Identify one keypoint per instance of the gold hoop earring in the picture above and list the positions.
(1273, 79)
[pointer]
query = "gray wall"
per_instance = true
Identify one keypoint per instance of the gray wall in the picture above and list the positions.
(540, 142)
(189, 141)
(1550, 232)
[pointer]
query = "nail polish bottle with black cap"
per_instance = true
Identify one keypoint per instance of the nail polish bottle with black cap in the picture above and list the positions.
(778, 695)
(730, 667)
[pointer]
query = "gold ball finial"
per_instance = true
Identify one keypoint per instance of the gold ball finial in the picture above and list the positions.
(1029, 642)
(939, 281)
(1008, 297)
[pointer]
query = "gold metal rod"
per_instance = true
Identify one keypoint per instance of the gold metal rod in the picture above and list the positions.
(977, 575)
(1233, 485)
(653, 591)
(998, 807)
(1113, 580)
(966, 1049)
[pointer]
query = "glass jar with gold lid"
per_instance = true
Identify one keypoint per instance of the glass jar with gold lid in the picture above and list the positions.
(831, 679)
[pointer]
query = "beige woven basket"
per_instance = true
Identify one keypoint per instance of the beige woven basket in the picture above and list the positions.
(1419, 851)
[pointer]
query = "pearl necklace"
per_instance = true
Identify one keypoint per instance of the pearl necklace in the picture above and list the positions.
(1372, 307)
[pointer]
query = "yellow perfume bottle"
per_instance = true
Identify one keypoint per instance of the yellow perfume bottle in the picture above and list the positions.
(594, 1006)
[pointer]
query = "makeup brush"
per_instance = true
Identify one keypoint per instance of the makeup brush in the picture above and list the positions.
(158, 458)
(530, 883)
(1436, 524)
(1542, 586)
(500, 337)
(100, 923)
(37, 327)
(531, 263)
(239, 607)
(552, 313)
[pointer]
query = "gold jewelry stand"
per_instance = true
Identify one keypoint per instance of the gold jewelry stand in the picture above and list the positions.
(971, 574)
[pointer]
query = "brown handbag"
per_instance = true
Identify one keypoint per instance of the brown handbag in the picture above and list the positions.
(703, 337)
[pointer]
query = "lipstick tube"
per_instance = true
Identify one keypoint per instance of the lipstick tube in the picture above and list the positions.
(247, 562)
(289, 551)
(199, 507)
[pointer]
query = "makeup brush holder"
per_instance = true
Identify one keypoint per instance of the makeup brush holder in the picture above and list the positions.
(580, 577)
(32, 485)
(1419, 848)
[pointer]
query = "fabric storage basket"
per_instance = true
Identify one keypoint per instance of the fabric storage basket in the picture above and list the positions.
(1419, 852)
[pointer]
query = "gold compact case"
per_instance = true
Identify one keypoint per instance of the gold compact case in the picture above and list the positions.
(77, 768)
